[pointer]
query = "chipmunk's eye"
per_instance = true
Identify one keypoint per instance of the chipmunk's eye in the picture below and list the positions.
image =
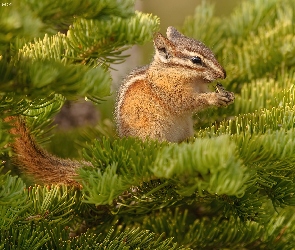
(196, 60)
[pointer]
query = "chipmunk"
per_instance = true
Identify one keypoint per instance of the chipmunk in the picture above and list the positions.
(155, 101)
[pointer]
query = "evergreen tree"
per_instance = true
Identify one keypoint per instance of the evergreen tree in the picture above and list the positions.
(231, 187)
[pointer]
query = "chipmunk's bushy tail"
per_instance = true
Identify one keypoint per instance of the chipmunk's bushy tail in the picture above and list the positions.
(38, 163)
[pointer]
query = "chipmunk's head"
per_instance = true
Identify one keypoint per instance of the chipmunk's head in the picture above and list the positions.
(187, 54)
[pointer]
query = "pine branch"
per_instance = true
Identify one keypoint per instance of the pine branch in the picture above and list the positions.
(12, 200)
(119, 164)
(128, 239)
(60, 12)
(205, 233)
(206, 164)
(102, 40)
(265, 93)
(36, 79)
(5, 138)
(53, 204)
(23, 237)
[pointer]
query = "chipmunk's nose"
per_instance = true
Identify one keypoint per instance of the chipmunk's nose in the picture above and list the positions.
(224, 74)
(220, 74)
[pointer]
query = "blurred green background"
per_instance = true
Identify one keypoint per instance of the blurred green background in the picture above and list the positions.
(173, 12)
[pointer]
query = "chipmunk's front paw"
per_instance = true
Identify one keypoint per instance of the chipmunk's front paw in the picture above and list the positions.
(224, 97)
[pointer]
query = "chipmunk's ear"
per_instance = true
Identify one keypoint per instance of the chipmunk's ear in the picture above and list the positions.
(173, 33)
(164, 48)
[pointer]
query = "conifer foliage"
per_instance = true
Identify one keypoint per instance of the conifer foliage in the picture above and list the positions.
(230, 187)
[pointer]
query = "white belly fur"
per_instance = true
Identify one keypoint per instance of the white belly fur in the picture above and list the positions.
(180, 129)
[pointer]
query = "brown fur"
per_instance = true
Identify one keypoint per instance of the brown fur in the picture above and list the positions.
(37, 162)
(157, 101)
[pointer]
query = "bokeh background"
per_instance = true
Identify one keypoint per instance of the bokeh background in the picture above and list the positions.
(173, 12)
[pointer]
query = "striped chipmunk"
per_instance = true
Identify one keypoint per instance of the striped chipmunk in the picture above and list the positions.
(155, 101)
